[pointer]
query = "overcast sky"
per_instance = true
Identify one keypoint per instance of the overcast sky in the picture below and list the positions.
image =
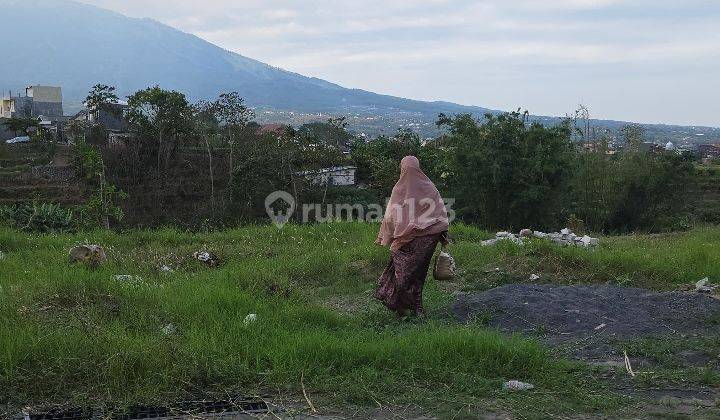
(639, 60)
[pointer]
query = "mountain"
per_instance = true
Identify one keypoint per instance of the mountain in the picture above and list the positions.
(61, 42)
(74, 45)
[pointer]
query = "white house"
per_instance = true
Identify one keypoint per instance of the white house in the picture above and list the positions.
(337, 176)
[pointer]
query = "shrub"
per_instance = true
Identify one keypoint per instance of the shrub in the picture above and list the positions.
(632, 191)
(42, 218)
(506, 173)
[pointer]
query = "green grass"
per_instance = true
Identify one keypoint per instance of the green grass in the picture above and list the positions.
(661, 262)
(68, 333)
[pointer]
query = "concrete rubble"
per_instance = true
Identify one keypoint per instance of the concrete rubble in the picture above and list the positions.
(703, 286)
(565, 237)
(208, 258)
(517, 386)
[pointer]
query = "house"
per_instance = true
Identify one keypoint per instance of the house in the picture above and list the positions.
(650, 147)
(709, 151)
(111, 117)
(335, 176)
(274, 129)
(38, 101)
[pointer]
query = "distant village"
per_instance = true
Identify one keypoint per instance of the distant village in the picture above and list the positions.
(45, 103)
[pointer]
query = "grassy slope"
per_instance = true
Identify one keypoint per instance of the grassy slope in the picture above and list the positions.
(69, 333)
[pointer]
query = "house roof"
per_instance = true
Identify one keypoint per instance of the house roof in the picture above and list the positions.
(278, 129)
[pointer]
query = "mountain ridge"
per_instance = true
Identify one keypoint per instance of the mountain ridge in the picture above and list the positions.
(76, 45)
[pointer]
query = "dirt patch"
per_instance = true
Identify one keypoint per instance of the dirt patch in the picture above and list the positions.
(569, 313)
(596, 324)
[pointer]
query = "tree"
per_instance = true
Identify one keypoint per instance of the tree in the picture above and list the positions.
(102, 98)
(102, 204)
(332, 133)
(206, 127)
(631, 190)
(633, 136)
(76, 131)
(22, 125)
(161, 117)
(378, 160)
(507, 173)
(233, 117)
(273, 162)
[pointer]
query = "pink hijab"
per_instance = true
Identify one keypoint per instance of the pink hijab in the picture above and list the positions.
(415, 208)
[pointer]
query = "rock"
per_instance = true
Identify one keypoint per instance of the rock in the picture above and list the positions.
(526, 233)
(2, 255)
(91, 255)
(587, 241)
(502, 234)
(559, 241)
(490, 242)
(534, 277)
(517, 386)
(169, 329)
(539, 234)
(566, 231)
(250, 319)
(166, 269)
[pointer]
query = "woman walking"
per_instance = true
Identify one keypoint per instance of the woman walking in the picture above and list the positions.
(415, 221)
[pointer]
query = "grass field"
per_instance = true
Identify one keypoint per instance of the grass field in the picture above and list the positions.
(79, 335)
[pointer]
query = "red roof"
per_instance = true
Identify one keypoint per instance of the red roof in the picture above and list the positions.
(278, 129)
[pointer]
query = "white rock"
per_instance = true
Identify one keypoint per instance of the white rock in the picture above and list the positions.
(534, 277)
(526, 233)
(539, 234)
(502, 234)
(166, 269)
(250, 319)
(566, 231)
(517, 386)
(490, 242)
(2, 255)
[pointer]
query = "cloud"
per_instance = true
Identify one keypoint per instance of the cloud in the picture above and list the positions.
(406, 47)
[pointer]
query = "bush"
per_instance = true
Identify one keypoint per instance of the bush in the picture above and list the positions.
(632, 191)
(506, 173)
(42, 218)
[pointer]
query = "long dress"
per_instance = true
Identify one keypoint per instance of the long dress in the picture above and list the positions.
(401, 284)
